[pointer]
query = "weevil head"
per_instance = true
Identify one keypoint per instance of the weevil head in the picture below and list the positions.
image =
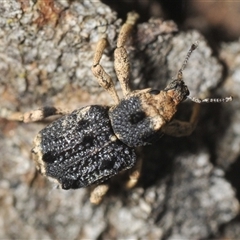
(177, 90)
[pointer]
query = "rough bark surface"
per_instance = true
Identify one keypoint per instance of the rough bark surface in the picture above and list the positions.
(46, 51)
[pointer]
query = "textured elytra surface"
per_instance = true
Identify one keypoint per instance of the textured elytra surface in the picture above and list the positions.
(81, 149)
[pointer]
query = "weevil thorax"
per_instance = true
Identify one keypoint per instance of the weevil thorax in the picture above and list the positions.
(138, 118)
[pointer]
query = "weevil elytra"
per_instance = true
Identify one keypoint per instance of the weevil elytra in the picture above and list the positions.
(94, 143)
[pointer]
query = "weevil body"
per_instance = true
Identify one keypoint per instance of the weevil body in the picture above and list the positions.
(94, 143)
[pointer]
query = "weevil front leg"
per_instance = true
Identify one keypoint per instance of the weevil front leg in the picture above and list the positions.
(178, 128)
(32, 116)
(104, 80)
(121, 62)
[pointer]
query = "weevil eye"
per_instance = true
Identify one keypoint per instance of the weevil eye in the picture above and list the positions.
(154, 91)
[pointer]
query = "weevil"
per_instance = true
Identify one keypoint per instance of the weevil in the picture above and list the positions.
(94, 143)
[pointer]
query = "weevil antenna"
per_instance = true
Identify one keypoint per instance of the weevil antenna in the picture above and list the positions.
(180, 72)
(210, 100)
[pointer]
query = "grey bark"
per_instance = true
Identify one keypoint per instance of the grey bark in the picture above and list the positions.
(46, 54)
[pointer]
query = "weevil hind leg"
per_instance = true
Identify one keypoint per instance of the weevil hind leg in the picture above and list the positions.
(32, 116)
(98, 192)
(134, 175)
(177, 128)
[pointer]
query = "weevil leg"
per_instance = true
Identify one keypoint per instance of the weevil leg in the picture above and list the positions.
(32, 116)
(134, 175)
(98, 193)
(104, 80)
(121, 62)
(178, 128)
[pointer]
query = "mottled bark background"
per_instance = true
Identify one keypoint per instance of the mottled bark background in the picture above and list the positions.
(189, 187)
